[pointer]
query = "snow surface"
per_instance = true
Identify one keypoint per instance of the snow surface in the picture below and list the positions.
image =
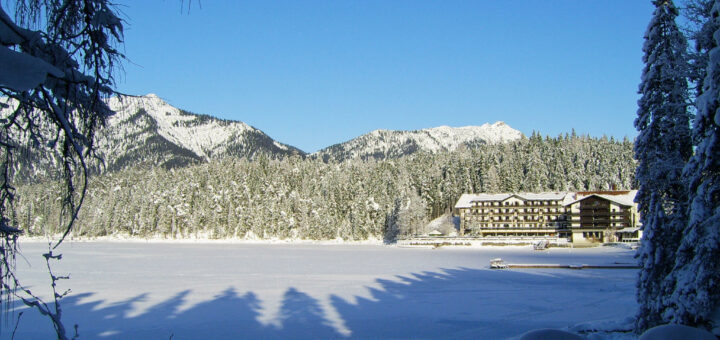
(676, 332)
(446, 224)
(550, 334)
(225, 290)
(22, 72)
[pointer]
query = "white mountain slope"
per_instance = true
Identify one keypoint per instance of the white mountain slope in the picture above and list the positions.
(187, 131)
(148, 129)
(382, 144)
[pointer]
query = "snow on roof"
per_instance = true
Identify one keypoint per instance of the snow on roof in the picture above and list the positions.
(466, 200)
(543, 196)
(627, 199)
(624, 200)
(491, 197)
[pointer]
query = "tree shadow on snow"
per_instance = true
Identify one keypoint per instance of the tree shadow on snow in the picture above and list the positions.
(226, 316)
(450, 303)
(471, 303)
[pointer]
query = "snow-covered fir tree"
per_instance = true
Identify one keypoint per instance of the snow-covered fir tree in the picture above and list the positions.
(662, 148)
(697, 14)
(696, 298)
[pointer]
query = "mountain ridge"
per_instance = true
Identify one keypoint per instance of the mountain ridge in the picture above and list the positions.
(147, 131)
(207, 137)
(384, 144)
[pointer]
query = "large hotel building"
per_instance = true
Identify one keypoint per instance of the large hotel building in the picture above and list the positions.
(579, 217)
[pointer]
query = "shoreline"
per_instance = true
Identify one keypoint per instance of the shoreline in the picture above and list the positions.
(298, 242)
(200, 240)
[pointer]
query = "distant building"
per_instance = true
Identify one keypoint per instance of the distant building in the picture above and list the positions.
(579, 217)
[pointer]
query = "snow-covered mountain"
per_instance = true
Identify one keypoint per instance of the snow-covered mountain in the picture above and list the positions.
(383, 144)
(148, 130)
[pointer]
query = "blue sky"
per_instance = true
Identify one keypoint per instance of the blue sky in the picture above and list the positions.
(315, 73)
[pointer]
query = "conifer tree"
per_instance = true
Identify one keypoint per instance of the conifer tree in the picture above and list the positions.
(662, 148)
(698, 14)
(697, 270)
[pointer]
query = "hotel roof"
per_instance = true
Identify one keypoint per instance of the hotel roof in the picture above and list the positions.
(626, 199)
(466, 200)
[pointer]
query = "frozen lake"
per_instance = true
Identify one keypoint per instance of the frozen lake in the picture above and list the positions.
(216, 290)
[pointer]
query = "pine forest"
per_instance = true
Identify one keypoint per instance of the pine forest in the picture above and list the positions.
(297, 198)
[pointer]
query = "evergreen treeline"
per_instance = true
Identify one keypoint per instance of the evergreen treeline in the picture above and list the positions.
(310, 199)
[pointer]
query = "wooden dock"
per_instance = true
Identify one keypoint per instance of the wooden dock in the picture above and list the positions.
(573, 266)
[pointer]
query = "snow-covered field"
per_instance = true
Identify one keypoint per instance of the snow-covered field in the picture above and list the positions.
(224, 290)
